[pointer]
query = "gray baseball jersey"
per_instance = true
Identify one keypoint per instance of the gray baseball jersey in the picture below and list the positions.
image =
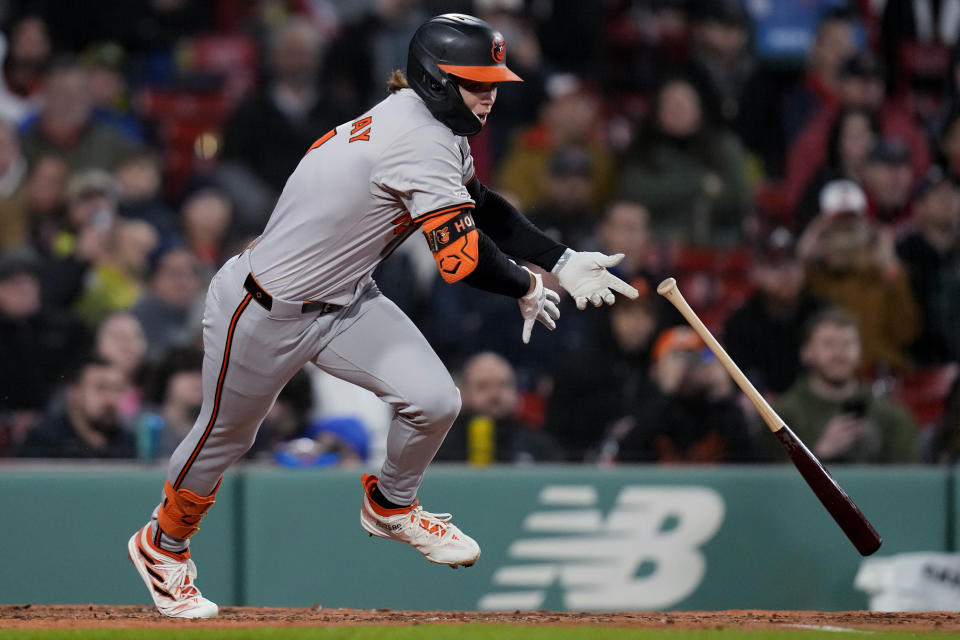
(355, 196)
(359, 191)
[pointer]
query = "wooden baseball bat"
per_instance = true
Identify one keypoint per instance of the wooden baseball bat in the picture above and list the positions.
(851, 520)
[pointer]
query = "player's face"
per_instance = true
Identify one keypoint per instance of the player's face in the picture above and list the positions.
(479, 97)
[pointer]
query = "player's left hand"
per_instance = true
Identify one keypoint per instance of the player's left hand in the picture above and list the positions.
(585, 277)
(538, 305)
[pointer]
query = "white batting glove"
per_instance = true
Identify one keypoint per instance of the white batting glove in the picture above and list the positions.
(539, 305)
(584, 275)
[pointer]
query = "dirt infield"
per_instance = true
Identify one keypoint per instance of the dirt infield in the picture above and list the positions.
(97, 616)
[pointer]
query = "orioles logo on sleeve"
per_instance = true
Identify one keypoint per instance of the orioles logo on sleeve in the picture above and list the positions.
(443, 235)
(499, 49)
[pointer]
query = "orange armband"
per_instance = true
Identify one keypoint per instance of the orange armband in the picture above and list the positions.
(452, 237)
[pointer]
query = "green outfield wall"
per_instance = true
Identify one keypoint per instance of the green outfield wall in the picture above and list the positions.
(627, 538)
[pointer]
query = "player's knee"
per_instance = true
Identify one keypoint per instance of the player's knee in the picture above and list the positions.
(439, 407)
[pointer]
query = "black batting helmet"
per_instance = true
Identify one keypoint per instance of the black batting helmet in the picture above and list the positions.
(454, 46)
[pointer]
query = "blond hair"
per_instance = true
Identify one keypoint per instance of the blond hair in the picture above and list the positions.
(397, 81)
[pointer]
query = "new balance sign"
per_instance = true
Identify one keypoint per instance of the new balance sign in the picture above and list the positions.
(644, 554)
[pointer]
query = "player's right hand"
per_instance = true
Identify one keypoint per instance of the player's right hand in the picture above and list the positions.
(538, 305)
(584, 275)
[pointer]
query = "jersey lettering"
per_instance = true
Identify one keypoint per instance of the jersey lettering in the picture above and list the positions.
(364, 124)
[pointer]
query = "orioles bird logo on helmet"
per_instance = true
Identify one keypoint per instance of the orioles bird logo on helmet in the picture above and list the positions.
(499, 49)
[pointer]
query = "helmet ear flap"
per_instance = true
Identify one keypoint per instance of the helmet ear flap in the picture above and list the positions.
(440, 92)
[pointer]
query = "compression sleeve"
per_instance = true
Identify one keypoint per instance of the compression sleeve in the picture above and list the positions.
(463, 252)
(510, 229)
(495, 273)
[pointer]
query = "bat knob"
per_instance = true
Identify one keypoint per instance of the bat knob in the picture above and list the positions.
(667, 286)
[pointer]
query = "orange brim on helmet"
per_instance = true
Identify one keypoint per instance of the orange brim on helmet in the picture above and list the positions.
(493, 73)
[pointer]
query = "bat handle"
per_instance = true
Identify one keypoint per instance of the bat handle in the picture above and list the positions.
(668, 289)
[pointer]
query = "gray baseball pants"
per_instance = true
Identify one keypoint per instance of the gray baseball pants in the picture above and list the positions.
(250, 353)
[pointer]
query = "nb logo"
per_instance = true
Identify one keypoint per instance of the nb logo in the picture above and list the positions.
(645, 554)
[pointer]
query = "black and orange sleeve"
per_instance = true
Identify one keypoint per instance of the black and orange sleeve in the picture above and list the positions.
(510, 229)
(463, 252)
(452, 238)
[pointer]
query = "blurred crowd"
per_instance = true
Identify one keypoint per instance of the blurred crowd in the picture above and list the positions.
(795, 165)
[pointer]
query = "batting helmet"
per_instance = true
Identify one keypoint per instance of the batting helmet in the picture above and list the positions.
(455, 46)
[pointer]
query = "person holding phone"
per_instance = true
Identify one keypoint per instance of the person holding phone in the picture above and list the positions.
(833, 410)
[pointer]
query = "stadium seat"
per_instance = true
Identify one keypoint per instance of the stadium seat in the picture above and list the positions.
(924, 392)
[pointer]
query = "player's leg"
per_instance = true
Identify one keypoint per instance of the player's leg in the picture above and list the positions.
(248, 357)
(380, 349)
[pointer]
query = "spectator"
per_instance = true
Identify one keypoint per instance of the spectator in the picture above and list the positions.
(81, 236)
(368, 49)
(625, 228)
(949, 143)
(688, 172)
(565, 212)
(852, 135)
(120, 341)
(104, 62)
(65, 125)
(852, 263)
(569, 118)
(833, 411)
(139, 178)
(887, 181)
(860, 87)
(205, 218)
(834, 42)
(173, 402)
(906, 23)
(166, 310)
(517, 102)
(115, 281)
(87, 425)
(27, 58)
(690, 414)
(14, 217)
(763, 335)
(947, 99)
(36, 344)
(45, 202)
(598, 386)
(931, 254)
(271, 130)
(487, 430)
(721, 38)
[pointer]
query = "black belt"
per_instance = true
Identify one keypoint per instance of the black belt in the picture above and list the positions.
(266, 300)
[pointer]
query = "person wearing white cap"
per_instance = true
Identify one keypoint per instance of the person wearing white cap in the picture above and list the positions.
(851, 262)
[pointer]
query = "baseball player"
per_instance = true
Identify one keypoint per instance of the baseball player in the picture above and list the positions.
(302, 292)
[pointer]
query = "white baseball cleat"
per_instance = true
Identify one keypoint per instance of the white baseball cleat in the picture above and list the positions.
(432, 534)
(169, 578)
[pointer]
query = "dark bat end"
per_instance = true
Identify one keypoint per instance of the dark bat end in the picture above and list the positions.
(851, 520)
